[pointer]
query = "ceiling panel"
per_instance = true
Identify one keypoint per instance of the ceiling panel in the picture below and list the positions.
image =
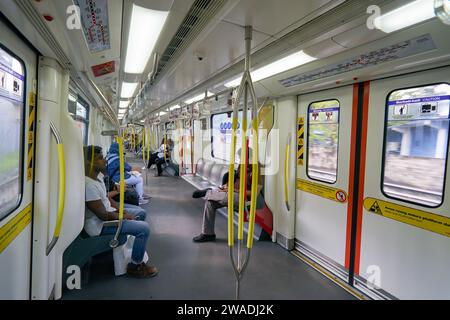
(222, 47)
(272, 16)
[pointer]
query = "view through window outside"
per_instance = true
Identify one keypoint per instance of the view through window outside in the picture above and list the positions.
(323, 138)
(416, 144)
(12, 82)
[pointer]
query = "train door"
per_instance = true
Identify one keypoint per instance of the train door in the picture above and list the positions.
(405, 211)
(18, 107)
(324, 134)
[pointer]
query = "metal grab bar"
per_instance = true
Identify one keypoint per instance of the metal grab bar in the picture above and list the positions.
(115, 242)
(286, 173)
(62, 189)
(245, 87)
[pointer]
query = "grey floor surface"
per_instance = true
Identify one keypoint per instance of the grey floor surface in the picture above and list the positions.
(191, 271)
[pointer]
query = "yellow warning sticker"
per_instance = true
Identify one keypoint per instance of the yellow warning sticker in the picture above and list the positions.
(421, 219)
(326, 192)
(300, 141)
(31, 118)
(14, 227)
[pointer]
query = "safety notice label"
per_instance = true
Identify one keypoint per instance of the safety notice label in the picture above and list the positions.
(421, 219)
(326, 192)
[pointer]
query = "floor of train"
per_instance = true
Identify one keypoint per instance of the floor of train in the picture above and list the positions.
(188, 270)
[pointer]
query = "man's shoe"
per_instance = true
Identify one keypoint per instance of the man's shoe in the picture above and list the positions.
(142, 202)
(200, 193)
(141, 270)
(146, 196)
(205, 238)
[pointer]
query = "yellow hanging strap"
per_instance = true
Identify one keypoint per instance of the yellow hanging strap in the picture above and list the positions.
(165, 147)
(231, 181)
(149, 142)
(91, 167)
(143, 145)
(122, 178)
(242, 177)
(255, 178)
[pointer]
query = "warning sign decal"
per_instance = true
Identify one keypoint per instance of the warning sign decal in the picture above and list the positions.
(326, 192)
(420, 219)
(300, 141)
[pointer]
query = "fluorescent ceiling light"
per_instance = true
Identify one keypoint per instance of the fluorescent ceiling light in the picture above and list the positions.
(405, 16)
(162, 113)
(199, 97)
(128, 89)
(290, 62)
(174, 107)
(145, 27)
(123, 104)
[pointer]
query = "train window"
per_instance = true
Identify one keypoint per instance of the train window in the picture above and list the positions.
(323, 139)
(12, 106)
(79, 110)
(221, 125)
(416, 143)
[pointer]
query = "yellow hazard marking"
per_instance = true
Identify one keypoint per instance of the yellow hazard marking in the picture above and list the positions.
(30, 135)
(14, 227)
(421, 219)
(300, 141)
(326, 192)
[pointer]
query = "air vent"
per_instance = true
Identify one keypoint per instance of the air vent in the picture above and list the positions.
(198, 16)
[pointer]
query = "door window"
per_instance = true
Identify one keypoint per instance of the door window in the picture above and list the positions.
(416, 142)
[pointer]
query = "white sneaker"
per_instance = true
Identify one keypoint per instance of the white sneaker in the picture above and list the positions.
(142, 201)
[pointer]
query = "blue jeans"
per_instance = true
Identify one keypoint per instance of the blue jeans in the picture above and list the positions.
(140, 230)
(135, 211)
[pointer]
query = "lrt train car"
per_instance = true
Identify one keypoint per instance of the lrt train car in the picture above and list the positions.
(224, 149)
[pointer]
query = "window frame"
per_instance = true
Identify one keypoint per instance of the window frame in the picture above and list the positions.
(22, 134)
(383, 154)
(308, 146)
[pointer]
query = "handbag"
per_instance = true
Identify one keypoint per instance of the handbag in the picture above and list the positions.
(122, 256)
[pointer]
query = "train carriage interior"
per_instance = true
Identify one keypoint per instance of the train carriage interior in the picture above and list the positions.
(224, 150)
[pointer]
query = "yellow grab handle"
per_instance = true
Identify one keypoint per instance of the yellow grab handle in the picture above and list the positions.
(286, 174)
(255, 178)
(122, 178)
(231, 182)
(61, 192)
(143, 144)
(62, 189)
(242, 176)
(165, 147)
(148, 142)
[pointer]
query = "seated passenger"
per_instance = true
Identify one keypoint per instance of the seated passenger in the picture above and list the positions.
(158, 157)
(132, 175)
(99, 210)
(218, 198)
(137, 212)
